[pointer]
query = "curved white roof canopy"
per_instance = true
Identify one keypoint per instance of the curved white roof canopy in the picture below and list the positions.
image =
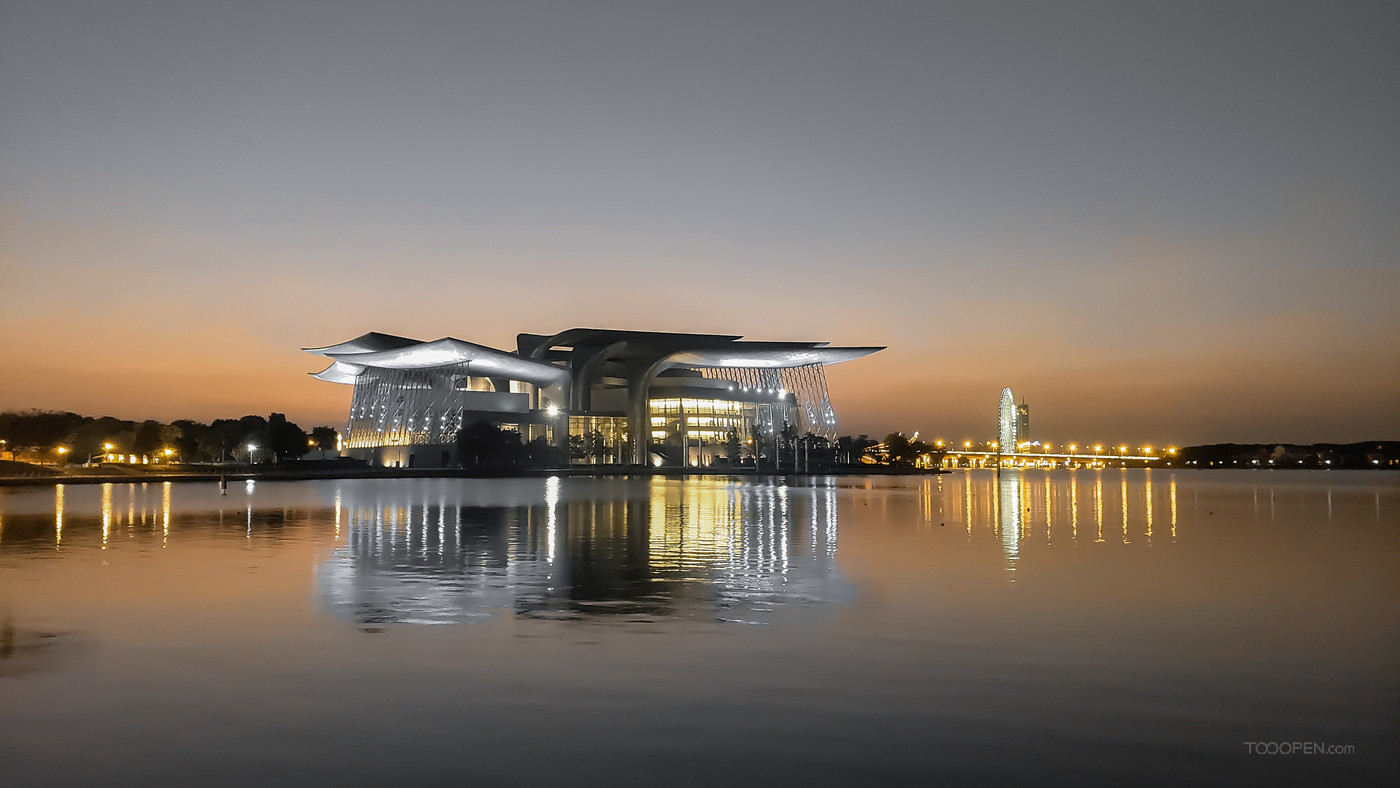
(372, 342)
(775, 355)
(351, 359)
(339, 372)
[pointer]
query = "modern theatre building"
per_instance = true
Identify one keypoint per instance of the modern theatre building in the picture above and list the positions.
(639, 397)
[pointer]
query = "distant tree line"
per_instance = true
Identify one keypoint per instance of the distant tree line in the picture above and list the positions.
(1368, 455)
(83, 438)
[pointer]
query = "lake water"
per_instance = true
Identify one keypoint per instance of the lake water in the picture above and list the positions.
(1094, 626)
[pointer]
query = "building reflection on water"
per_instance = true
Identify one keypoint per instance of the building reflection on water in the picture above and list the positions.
(445, 552)
(454, 549)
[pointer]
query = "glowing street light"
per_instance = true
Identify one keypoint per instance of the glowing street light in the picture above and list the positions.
(252, 447)
(107, 446)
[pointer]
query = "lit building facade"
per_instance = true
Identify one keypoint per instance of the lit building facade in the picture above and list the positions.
(604, 396)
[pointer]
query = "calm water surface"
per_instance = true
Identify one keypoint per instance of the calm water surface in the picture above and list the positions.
(1112, 626)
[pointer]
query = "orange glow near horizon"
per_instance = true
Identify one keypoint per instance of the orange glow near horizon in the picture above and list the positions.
(161, 262)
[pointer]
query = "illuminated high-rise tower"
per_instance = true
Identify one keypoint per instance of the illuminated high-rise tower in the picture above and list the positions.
(1013, 422)
(1008, 421)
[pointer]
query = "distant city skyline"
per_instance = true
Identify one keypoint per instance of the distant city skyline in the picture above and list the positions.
(1153, 222)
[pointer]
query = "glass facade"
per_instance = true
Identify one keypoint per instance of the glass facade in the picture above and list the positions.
(598, 440)
(698, 429)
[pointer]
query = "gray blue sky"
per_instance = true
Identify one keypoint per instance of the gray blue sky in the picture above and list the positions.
(1169, 222)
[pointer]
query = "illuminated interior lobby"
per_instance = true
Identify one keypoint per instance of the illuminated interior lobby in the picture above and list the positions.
(604, 396)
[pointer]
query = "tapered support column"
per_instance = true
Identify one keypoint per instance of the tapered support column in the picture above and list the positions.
(585, 365)
(638, 413)
(639, 406)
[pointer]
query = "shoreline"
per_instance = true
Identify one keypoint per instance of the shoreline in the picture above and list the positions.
(319, 474)
(308, 474)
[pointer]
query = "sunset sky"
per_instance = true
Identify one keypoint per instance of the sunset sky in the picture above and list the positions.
(1169, 222)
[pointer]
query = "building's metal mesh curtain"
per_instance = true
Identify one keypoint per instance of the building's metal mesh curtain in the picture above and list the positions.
(807, 383)
(407, 406)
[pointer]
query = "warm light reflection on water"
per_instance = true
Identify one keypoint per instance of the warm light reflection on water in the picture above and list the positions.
(106, 514)
(57, 516)
(1057, 499)
(165, 514)
(617, 613)
(1147, 493)
(1074, 506)
(1123, 498)
(1098, 506)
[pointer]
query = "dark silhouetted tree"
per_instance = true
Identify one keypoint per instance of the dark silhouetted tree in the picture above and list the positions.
(481, 443)
(147, 439)
(286, 441)
(38, 429)
(732, 447)
(324, 438)
(187, 440)
(595, 446)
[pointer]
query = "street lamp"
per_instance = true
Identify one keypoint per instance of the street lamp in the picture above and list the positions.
(252, 447)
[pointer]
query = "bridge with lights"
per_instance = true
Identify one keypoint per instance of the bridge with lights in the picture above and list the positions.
(1013, 449)
(1035, 454)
